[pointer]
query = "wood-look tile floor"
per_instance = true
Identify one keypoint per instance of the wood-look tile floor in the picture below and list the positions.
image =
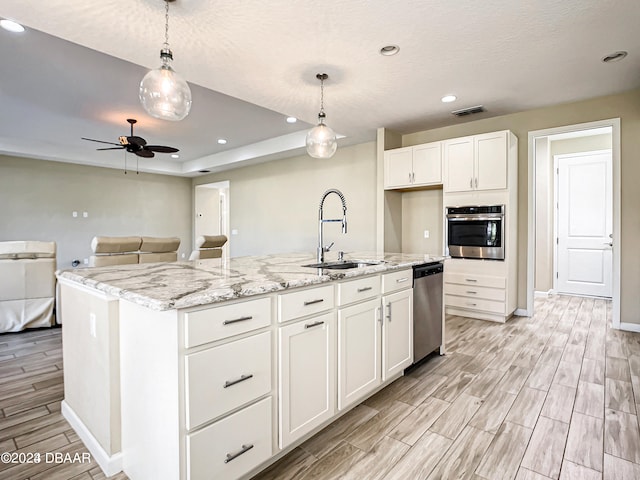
(553, 396)
(556, 396)
(31, 388)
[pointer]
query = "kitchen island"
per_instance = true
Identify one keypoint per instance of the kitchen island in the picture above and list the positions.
(208, 370)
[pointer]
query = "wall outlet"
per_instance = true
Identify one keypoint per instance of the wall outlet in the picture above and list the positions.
(74, 214)
(183, 255)
(86, 261)
(92, 325)
(85, 214)
(426, 234)
(234, 231)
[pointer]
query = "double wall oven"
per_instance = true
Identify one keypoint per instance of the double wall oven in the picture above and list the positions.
(476, 232)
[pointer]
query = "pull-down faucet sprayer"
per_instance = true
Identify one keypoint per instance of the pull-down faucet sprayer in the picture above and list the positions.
(321, 221)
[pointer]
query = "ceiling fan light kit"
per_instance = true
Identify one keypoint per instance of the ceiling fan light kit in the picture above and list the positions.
(321, 139)
(163, 93)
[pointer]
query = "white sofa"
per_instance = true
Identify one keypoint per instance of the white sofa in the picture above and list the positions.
(127, 250)
(27, 285)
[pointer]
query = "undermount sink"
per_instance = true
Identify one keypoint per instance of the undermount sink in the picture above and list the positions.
(343, 265)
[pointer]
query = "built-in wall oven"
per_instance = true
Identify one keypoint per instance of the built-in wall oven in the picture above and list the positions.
(476, 232)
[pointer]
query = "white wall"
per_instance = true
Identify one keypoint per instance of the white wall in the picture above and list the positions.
(274, 205)
(38, 198)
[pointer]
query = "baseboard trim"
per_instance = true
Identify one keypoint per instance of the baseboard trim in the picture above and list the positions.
(630, 327)
(546, 294)
(110, 465)
(522, 312)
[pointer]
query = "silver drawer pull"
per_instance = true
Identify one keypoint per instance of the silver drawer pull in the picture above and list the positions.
(472, 304)
(232, 456)
(311, 302)
(314, 324)
(389, 311)
(241, 319)
(400, 280)
(472, 292)
(471, 280)
(364, 289)
(242, 378)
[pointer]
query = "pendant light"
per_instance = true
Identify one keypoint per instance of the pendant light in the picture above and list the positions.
(321, 140)
(163, 93)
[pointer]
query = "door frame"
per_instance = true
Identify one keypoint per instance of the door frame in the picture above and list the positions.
(556, 165)
(614, 123)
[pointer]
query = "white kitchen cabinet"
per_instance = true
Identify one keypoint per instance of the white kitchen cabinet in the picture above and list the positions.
(359, 349)
(397, 332)
(306, 367)
(415, 166)
(477, 162)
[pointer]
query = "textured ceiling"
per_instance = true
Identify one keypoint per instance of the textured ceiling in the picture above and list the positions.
(507, 55)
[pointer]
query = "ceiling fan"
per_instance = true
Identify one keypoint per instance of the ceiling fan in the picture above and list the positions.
(133, 144)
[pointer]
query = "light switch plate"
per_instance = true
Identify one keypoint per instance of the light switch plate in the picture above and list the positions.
(426, 234)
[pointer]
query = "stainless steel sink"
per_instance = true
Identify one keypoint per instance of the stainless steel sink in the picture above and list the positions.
(343, 265)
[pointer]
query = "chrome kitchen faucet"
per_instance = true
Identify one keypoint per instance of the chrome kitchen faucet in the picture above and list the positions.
(321, 221)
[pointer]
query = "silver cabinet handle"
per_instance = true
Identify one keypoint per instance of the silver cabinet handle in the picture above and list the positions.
(364, 289)
(471, 280)
(400, 280)
(311, 302)
(389, 311)
(472, 292)
(472, 304)
(471, 183)
(242, 378)
(476, 182)
(409, 177)
(314, 324)
(241, 319)
(413, 177)
(379, 314)
(232, 456)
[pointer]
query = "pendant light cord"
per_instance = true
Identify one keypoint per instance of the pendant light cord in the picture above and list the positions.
(322, 96)
(166, 24)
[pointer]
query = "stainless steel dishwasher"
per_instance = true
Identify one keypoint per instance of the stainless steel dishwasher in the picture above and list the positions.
(427, 309)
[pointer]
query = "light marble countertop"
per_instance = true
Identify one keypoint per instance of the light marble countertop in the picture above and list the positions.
(165, 286)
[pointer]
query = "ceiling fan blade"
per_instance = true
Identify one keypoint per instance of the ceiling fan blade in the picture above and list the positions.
(112, 148)
(99, 141)
(144, 153)
(161, 149)
(136, 141)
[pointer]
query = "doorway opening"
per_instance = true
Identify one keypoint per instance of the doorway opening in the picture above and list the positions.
(574, 212)
(211, 206)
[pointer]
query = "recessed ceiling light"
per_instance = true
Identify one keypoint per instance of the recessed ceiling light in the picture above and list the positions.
(175, 155)
(389, 50)
(11, 26)
(222, 141)
(615, 56)
(449, 98)
(292, 119)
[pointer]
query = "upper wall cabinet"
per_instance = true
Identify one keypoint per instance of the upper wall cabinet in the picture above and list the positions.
(416, 166)
(478, 162)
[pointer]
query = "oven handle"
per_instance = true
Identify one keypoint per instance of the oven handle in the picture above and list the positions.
(453, 218)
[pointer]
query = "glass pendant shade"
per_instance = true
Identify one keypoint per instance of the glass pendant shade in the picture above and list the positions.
(164, 94)
(321, 141)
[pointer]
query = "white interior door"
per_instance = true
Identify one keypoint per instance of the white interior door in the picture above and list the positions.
(584, 224)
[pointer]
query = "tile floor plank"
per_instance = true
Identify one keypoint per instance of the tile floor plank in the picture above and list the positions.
(502, 459)
(545, 451)
(585, 441)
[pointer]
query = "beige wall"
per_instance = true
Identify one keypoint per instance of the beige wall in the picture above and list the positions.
(274, 205)
(38, 198)
(624, 106)
(422, 210)
(207, 206)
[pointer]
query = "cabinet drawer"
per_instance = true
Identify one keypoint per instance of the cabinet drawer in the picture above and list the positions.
(360, 289)
(476, 280)
(225, 377)
(397, 280)
(475, 304)
(305, 302)
(473, 291)
(204, 326)
(233, 446)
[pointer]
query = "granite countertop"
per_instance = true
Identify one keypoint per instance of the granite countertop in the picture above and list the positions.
(165, 286)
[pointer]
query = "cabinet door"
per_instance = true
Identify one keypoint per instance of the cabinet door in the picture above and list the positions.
(427, 164)
(398, 167)
(358, 351)
(397, 332)
(307, 376)
(491, 161)
(458, 164)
